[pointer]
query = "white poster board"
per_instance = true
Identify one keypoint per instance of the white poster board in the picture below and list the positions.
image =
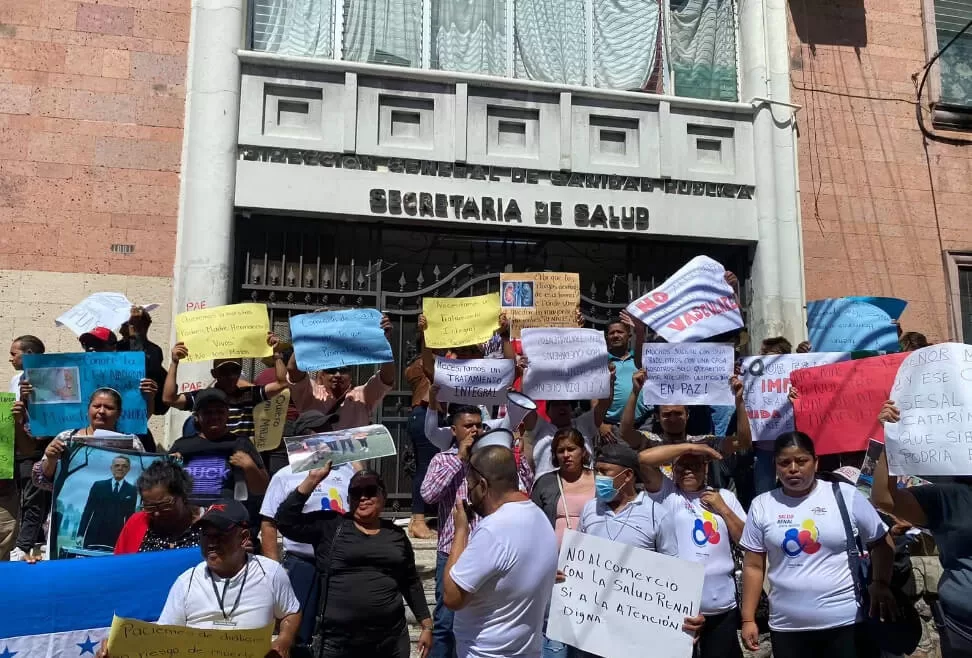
(933, 392)
(618, 599)
(566, 364)
(102, 309)
(474, 381)
(694, 303)
(687, 373)
(766, 382)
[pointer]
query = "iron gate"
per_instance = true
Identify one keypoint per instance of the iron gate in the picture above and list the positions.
(297, 266)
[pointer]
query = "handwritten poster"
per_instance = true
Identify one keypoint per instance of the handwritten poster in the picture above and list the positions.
(460, 321)
(566, 364)
(6, 436)
(839, 403)
(688, 373)
(539, 299)
(306, 453)
(695, 303)
(766, 385)
(102, 309)
(269, 419)
(336, 339)
(474, 381)
(618, 599)
(237, 330)
(131, 638)
(933, 392)
(849, 324)
(63, 384)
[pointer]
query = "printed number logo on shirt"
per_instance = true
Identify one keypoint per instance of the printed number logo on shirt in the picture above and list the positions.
(706, 530)
(332, 501)
(801, 540)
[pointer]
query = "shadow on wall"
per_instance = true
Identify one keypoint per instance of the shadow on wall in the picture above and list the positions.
(830, 22)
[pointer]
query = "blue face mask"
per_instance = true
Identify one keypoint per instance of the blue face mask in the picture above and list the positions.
(604, 488)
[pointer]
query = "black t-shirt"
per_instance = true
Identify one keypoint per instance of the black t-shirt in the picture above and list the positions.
(948, 508)
(207, 461)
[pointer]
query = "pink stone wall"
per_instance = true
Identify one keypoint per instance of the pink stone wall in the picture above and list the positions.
(92, 96)
(878, 211)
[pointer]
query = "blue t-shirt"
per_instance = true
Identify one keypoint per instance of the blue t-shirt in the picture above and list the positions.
(624, 368)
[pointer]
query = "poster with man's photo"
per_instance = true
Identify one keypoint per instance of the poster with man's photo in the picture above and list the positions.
(94, 495)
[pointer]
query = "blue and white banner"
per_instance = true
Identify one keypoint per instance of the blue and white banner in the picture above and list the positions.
(63, 608)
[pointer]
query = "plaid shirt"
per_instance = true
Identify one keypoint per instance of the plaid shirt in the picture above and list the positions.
(445, 483)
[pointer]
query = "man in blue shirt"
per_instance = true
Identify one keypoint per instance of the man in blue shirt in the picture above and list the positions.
(618, 337)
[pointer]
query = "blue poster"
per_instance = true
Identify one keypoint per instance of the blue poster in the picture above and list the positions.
(850, 324)
(63, 384)
(337, 339)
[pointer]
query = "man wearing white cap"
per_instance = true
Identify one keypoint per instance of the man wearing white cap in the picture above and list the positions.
(499, 577)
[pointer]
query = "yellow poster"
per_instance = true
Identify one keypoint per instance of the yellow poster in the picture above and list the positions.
(539, 299)
(131, 638)
(460, 321)
(235, 331)
(269, 418)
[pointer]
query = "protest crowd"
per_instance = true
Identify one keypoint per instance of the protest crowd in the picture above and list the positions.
(653, 487)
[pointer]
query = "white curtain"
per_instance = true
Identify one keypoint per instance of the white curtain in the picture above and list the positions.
(294, 27)
(469, 36)
(703, 48)
(550, 40)
(626, 36)
(383, 32)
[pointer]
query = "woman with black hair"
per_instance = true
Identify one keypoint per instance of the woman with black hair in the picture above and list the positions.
(796, 534)
(366, 565)
(166, 518)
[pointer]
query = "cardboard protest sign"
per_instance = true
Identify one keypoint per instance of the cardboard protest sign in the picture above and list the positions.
(693, 304)
(566, 364)
(269, 419)
(131, 638)
(618, 599)
(539, 299)
(688, 373)
(839, 403)
(849, 324)
(474, 381)
(94, 495)
(766, 385)
(933, 392)
(460, 321)
(102, 309)
(306, 453)
(63, 384)
(337, 339)
(6, 436)
(221, 332)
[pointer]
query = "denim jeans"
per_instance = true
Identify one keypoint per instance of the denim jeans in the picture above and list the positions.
(307, 588)
(443, 640)
(424, 452)
(764, 472)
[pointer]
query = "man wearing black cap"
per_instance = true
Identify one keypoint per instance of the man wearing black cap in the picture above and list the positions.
(331, 494)
(242, 396)
(220, 462)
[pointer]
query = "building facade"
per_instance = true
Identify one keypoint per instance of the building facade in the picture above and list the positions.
(312, 153)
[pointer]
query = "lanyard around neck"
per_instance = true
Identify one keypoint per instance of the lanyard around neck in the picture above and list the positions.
(222, 599)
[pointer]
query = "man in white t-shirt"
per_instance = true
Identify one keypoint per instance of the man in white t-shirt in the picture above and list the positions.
(298, 560)
(499, 578)
(231, 588)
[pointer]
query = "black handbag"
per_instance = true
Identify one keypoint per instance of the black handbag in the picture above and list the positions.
(898, 637)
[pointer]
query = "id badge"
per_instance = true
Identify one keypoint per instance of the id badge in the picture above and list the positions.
(224, 624)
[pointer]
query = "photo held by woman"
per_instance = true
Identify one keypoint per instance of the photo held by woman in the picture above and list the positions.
(586, 480)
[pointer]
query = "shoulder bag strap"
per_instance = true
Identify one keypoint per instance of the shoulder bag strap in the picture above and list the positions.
(324, 578)
(853, 554)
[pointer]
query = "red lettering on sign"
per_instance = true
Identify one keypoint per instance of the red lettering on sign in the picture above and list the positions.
(651, 303)
(196, 306)
(702, 311)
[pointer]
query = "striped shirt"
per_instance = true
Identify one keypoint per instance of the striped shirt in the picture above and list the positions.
(445, 483)
(241, 402)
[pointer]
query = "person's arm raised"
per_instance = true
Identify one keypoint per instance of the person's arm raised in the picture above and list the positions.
(387, 371)
(885, 493)
(743, 438)
(279, 385)
(652, 459)
(629, 432)
(170, 390)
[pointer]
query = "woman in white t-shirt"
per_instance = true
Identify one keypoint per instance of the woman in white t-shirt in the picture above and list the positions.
(707, 522)
(796, 533)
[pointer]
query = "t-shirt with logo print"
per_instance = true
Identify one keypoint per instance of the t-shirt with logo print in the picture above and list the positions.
(811, 586)
(207, 461)
(703, 536)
